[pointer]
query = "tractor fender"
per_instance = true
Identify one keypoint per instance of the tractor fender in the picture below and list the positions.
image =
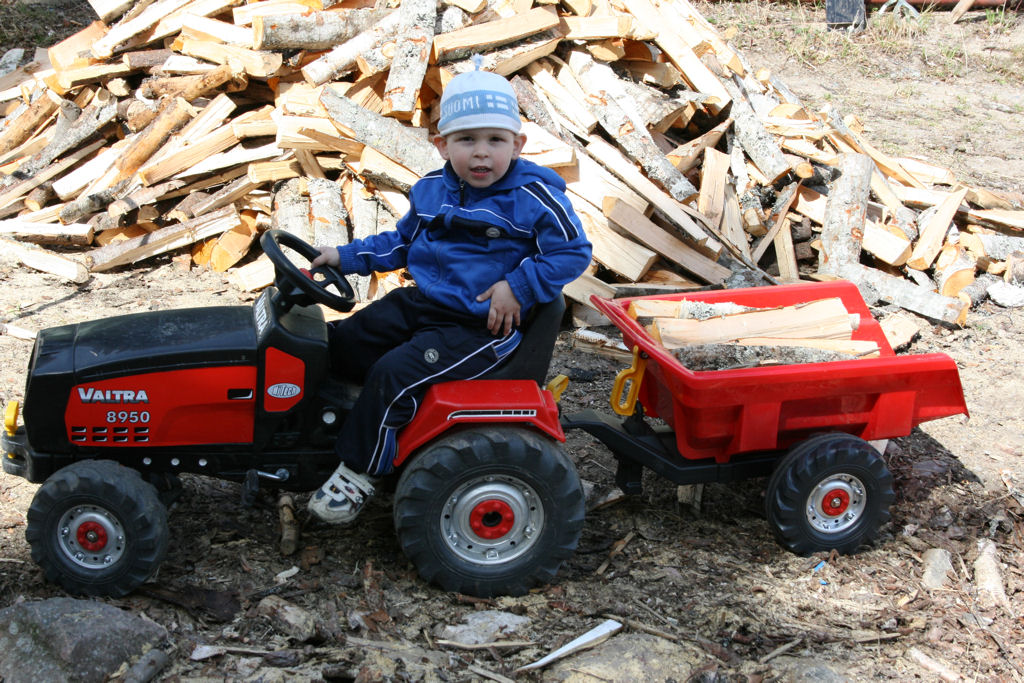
(453, 404)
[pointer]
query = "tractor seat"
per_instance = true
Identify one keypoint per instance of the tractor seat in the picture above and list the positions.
(532, 357)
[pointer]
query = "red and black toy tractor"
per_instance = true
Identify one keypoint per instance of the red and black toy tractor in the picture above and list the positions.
(486, 502)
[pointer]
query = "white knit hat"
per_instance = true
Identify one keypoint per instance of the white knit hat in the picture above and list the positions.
(479, 99)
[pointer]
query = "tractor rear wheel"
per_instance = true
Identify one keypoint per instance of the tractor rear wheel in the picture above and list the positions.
(97, 529)
(832, 491)
(489, 510)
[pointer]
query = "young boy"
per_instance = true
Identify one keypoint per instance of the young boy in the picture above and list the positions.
(486, 238)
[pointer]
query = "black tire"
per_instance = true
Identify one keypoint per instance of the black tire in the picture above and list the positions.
(97, 529)
(831, 492)
(489, 511)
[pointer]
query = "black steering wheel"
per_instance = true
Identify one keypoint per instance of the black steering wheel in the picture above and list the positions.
(299, 285)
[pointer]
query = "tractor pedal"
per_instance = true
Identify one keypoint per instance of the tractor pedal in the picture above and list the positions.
(629, 477)
(250, 488)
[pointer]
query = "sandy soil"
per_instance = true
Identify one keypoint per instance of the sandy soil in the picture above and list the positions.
(712, 580)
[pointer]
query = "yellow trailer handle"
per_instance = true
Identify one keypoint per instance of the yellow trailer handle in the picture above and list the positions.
(624, 404)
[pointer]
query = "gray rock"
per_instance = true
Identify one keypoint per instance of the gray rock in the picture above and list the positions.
(1006, 294)
(63, 639)
(484, 627)
(627, 658)
(809, 670)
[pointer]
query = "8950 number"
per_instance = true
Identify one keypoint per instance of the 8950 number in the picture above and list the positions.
(131, 416)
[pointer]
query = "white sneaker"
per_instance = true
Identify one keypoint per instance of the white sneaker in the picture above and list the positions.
(342, 497)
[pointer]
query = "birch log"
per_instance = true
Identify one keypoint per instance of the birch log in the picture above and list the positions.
(314, 30)
(343, 57)
(162, 240)
(291, 209)
(387, 136)
(327, 215)
(875, 284)
(842, 229)
(94, 117)
(412, 53)
(759, 145)
(631, 136)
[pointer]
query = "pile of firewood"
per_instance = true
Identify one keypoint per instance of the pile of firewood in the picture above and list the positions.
(189, 126)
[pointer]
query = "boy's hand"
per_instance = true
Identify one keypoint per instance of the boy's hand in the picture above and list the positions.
(504, 307)
(328, 257)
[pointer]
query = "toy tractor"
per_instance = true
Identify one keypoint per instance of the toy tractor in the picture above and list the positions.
(114, 410)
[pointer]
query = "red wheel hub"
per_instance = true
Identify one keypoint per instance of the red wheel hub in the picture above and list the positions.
(491, 519)
(835, 502)
(91, 536)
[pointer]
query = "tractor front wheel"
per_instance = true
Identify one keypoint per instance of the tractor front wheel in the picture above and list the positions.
(489, 511)
(832, 491)
(97, 529)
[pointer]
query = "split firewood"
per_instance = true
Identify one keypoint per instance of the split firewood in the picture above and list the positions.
(675, 211)
(646, 232)
(483, 37)
(606, 107)
(162, 240)
(933, 234)
(97, 115)
(123, 31)
(612, 250)
(28, 121)
(688, 155)
(90, 203)
(823, 319)
(45, 261)
(899, 330)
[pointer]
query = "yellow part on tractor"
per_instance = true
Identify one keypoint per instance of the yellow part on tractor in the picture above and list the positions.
(11, 417)
(634, 374)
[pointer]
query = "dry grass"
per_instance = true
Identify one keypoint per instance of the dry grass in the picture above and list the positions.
(933, 45)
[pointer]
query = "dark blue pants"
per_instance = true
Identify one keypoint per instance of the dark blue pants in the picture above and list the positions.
(397, 348)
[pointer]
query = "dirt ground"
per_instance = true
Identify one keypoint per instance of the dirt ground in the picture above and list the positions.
(711, 580)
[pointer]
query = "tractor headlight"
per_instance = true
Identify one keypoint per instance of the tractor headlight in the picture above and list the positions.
(11, 417)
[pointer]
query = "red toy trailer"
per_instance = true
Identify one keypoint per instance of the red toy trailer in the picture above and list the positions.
(807, 425)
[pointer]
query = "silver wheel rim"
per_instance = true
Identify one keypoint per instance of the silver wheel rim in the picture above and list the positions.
(836, 503)
(91, 537)
(492, 520)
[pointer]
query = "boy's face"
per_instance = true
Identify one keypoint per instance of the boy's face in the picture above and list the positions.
(480, 156)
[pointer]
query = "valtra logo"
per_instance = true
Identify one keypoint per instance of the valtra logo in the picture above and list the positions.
(94, 395)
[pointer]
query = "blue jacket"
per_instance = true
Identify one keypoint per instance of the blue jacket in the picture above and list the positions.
(457, 240)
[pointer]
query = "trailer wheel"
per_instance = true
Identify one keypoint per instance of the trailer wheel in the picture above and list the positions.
(97, 529)
(832, 491)
(489, 511)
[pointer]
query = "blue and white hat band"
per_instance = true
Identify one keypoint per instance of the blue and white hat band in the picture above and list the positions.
(479, 99)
